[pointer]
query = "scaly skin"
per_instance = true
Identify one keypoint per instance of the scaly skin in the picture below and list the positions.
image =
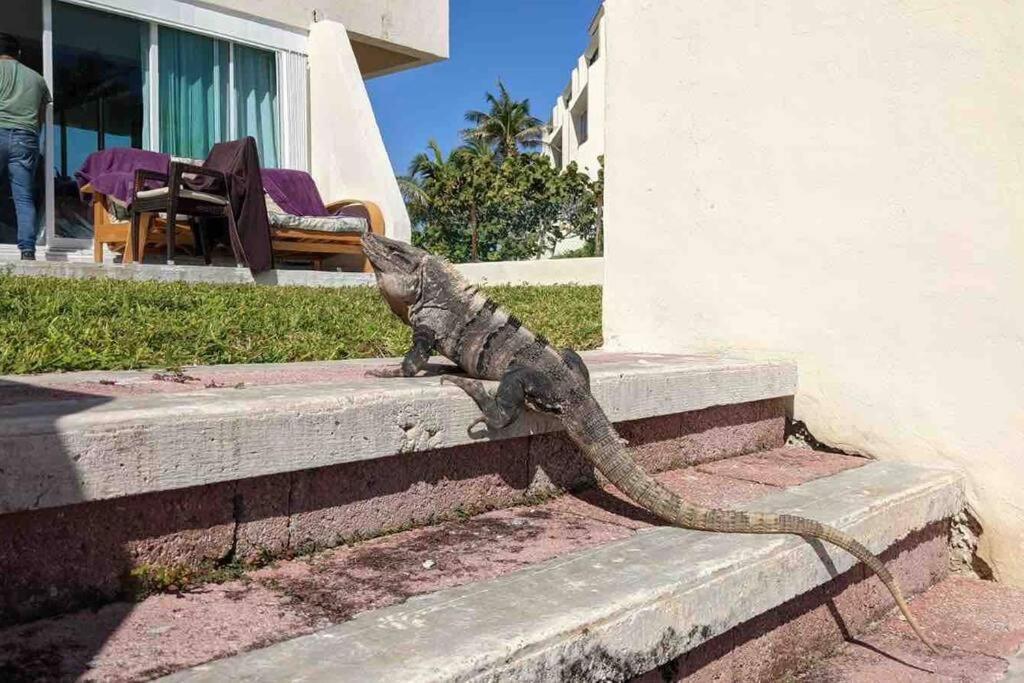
(452, 317)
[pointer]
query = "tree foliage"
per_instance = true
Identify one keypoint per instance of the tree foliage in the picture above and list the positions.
(470, 208)
(490, 200)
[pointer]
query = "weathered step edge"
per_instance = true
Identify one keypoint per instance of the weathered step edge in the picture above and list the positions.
(62, 452)
(614, 611)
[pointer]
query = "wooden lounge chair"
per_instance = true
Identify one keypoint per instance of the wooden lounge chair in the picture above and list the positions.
(302, 227)
(291, 240)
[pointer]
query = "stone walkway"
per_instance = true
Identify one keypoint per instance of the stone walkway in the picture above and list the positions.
(978, 627)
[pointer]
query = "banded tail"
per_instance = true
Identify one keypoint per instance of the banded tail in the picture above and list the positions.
(590, 429)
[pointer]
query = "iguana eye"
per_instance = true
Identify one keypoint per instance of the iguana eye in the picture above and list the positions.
(405, 260)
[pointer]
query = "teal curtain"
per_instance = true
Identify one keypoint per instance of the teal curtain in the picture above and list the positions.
(256, 99)
(193, 93)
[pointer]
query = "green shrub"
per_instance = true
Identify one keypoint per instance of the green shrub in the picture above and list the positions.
(585, 251)
(50, 324)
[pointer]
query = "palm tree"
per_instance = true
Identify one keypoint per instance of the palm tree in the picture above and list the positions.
(475, 147)
(424, 166)
(427, 165)
(507, 127)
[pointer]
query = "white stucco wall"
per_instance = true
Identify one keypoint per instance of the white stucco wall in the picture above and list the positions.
(561, 271)
(415, 27)
(347, 153)
(840, 183)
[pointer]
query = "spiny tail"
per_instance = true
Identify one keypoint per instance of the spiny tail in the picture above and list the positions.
(596, 437)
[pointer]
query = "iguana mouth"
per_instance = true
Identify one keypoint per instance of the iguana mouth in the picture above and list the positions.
(375, 250)
(391, 256)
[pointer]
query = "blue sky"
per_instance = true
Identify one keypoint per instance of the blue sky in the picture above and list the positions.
(531, 45)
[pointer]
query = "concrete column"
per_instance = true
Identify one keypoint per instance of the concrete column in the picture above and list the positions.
(348, 158)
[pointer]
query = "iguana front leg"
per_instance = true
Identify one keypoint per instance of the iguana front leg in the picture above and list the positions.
(508, 401)
(518, 387)
(423, 342)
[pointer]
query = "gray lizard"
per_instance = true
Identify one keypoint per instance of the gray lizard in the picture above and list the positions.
(452, 317)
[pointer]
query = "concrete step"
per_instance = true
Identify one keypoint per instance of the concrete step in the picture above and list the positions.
(85, 437)
(628, 607)
(577, 588)
(109, 473)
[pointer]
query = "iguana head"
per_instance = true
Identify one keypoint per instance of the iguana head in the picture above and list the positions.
(397, 266)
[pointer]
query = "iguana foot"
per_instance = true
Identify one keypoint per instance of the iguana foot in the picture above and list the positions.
(498, 412)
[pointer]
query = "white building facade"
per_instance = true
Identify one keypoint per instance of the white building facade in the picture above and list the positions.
(576, 128)
(177, 76)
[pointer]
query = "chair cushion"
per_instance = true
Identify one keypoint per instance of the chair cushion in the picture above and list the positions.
(333, 224)
(272, 206)
(184, 194)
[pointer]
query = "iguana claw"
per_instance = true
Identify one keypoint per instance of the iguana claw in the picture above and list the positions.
(474, 423)
(389, 372)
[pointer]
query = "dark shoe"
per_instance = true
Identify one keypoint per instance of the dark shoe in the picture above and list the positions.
(28, 256)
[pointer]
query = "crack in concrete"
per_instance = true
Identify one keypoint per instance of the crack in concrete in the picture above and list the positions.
(797, 434)
(288, 513)
(236, 515)
(725, 475)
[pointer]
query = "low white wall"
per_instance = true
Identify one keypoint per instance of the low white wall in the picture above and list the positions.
(839, 182)
(580, 271)
(348, 157)
(587, 271)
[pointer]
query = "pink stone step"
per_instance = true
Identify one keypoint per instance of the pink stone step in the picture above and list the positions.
(168, 632)
(49, 567)
(978, 627)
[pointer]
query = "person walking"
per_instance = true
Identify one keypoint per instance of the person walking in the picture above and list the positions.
(23, 98)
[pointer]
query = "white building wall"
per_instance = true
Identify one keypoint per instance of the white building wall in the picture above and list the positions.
(418, 28)
(584, 93)
(840, 184)
(348, 157)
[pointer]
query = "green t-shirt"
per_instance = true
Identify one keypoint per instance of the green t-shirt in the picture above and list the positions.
(23, 93)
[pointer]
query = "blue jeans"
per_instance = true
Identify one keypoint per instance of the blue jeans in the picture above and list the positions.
(19, 154)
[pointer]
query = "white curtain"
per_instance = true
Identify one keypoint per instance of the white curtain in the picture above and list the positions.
(295, 110)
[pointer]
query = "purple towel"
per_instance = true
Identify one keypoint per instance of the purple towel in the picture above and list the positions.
(294, 191)
(112, 171)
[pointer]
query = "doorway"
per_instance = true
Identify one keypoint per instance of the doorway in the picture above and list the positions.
(99, 73)
(24, 20)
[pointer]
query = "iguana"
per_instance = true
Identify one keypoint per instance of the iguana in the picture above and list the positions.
(450, 316)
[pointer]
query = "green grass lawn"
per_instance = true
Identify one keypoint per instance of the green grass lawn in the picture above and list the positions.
(50, 324)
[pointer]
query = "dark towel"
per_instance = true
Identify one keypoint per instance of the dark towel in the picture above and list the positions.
(239, 161)
(112, 171)
(294, 191)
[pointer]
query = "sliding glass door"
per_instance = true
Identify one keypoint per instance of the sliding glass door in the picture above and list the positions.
(99, 62)
(120, 81)
(211, 91)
